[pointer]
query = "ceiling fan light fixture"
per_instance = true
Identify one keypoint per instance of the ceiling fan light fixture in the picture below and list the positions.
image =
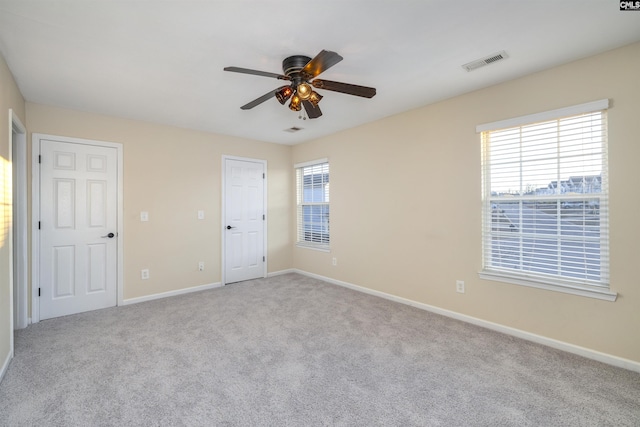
(304, 91)
(284, 94)
(301, 74)
(315, 98)
(296, 103)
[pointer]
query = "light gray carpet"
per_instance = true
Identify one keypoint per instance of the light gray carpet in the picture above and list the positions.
(295, 351)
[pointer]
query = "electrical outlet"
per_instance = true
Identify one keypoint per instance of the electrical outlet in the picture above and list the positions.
(460, 286)
(334, 261)
(144, 274)
(201, 266)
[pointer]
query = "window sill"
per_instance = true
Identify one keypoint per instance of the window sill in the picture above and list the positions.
(573, 289)
(314, 248)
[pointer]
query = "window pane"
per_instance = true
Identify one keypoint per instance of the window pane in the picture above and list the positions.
(540, 217)
(530, 236)
(316, 184)
(315, 223)
(505, 216)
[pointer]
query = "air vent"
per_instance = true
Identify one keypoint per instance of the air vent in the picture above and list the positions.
(473, 65)
(293, 129)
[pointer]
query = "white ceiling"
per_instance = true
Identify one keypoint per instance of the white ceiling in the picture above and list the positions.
(162, 61)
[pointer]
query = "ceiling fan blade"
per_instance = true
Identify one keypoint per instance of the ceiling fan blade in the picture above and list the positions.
(260, 100)
(349, 89)
(322, 62)
(256, 72)
(312, 111)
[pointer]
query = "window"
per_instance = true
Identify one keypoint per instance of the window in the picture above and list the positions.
(545, 200)
(312, 182)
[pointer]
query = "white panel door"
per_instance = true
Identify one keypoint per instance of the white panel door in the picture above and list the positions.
(78, 227)
(244, 215)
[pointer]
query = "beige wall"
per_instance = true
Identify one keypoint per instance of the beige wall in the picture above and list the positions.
(406, 205)
(172, 173)
(10, 98)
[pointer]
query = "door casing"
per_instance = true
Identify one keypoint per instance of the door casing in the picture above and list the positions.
(35, 217)
(18, 316)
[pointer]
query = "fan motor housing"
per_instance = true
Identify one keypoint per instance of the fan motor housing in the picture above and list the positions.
(293, 64)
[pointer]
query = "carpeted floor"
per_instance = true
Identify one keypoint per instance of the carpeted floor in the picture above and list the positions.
(294, 351)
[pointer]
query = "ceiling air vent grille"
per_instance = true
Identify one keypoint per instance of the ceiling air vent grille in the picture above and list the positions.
(293, 129)
(473, 65)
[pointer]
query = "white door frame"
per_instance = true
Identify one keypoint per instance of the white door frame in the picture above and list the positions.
(18, 299)
(35, 216)
(224, 214)
(18, 253)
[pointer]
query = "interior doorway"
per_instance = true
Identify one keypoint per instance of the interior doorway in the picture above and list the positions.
(77, 225)
(243, 219)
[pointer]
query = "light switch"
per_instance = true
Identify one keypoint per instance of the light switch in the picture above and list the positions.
(200, 214)
(144, 216)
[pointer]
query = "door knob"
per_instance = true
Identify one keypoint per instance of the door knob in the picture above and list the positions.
(229, 227)
(110, 236)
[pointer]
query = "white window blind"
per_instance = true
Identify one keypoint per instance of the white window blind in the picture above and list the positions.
(312, 182)
(545, 202)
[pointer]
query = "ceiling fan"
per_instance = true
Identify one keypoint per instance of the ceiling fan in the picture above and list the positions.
(302, 71)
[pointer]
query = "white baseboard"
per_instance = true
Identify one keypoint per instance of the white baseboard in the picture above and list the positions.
(171, 293)
(5, 365)
(281, 272)
(189, 290)
(549, 342)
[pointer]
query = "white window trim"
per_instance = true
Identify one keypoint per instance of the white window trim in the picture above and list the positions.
(574, 110)
(524, 280)
(313, 248)
(311, 163)
(309, 245)
(550, 285)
